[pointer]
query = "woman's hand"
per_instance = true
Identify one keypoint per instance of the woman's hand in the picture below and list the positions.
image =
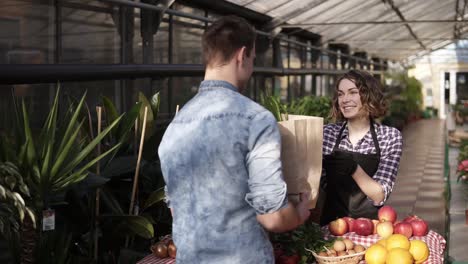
(368, 186)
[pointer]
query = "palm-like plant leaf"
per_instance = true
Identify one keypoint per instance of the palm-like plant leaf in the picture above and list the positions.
(154, 197)
(138, 225)
(30, 148)
(81, 173)
(72, 122)
(87, 150)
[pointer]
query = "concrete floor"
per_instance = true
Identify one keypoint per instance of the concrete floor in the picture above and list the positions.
(420, 187)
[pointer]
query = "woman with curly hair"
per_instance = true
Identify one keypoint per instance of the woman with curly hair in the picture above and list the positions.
(360, 156)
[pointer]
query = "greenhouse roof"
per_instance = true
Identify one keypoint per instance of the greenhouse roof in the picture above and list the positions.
(399, 30)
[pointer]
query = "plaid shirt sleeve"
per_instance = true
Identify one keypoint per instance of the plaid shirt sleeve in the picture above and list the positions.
(391, 151)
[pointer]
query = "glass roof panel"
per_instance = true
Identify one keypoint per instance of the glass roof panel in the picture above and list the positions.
(390, 29)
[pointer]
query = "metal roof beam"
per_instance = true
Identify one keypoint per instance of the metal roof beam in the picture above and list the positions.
(459, 15)
(400, 15)
(371, 22)
(280, 20)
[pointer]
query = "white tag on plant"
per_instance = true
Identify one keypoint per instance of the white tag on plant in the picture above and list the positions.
(48, 220)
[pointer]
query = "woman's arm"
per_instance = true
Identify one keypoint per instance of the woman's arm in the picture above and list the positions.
(371, 188)
(380, 185)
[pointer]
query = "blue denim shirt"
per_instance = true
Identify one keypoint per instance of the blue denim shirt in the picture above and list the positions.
(220, 158)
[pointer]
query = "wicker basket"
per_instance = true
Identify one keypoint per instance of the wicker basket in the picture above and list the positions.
(348, 259)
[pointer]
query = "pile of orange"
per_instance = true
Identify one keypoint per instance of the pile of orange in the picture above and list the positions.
(397, 249)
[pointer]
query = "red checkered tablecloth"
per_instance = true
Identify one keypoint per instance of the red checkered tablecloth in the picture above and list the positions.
(434, 241)
(152, 259)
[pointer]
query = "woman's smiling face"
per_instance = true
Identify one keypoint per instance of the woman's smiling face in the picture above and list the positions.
(349, 100)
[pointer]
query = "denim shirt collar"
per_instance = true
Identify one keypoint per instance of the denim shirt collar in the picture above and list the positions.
(209, 84)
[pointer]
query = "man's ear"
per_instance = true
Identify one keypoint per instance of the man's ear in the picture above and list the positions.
(241, 55)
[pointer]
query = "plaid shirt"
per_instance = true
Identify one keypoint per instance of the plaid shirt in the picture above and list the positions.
(390, 143)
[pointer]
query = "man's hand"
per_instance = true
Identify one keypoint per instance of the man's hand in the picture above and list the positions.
(287, 218)
(303, 207)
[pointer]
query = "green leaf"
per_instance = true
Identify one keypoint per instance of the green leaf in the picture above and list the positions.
(71, 124)
(64, 153)
(10, 181)
(109, 107)
(24, 190)
(2, 192)
(128, 122)
(47, 137)
(80, 174)
(110, 201)
(155, 103)
(111, 113)
(154, 197)
(18, 198)
(139, 225)
(31, 215)
(87, 149)
(30, 150)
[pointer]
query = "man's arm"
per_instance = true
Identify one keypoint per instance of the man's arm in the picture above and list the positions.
(287, 218)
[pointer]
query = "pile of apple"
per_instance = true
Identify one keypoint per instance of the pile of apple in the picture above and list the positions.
(385, 226)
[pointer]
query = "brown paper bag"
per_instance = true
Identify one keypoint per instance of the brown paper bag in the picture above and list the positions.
(301, 155)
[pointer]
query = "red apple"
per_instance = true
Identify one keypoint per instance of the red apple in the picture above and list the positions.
(375, 222)
(410, 218)
(403, 228)
(387, 213)
(349, 221)
(420, 227)
(363, 226)
(338, 227)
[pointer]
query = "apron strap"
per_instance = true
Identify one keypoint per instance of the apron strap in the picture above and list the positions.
(374, 138)
(338, 138)
(373, 133)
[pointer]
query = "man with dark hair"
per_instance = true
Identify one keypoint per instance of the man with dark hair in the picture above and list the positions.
(220, 158)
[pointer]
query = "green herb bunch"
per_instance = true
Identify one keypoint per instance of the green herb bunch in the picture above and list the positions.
(308, 236)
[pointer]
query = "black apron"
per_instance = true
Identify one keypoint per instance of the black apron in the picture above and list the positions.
(343, 195)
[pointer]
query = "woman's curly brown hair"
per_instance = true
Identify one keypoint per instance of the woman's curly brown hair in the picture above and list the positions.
(371, 93)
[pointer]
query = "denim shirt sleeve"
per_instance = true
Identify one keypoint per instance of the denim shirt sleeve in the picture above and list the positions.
(167, 200)
(267, 189)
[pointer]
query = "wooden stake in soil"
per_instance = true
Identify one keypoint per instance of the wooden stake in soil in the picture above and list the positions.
(98, 172)
(137, 170)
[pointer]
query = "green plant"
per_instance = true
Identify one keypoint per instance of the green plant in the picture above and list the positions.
(308, 236)
(13, 209)
(51, 160)
(312, 106)
(273, 104)
(462, 169)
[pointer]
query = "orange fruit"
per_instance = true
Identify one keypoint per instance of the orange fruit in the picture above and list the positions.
(382, 242)
(399, 256)
(419, 250)
(375, 254)
(397, 241)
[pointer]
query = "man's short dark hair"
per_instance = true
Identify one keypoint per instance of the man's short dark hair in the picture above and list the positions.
(224, 37)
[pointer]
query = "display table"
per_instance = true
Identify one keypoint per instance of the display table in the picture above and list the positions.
(152, 259)
(434, 241)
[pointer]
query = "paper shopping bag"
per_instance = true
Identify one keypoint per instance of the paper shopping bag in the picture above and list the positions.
(301, 155)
